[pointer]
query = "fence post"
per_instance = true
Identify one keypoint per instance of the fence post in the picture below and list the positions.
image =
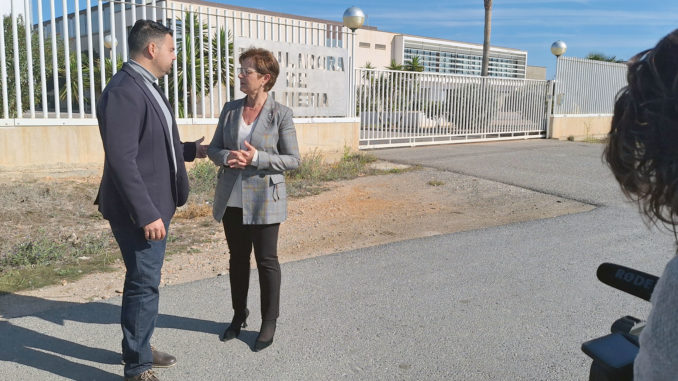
(3, 73)
(29, 56)
(17, 69)
(550, 92)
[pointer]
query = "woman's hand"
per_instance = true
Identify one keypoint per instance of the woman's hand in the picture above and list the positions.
(241, 158)
(235, 159)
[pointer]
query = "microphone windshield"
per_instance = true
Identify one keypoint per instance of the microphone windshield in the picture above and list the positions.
(634, 282)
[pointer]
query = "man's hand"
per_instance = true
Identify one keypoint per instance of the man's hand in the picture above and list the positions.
(200, 149)
(155, 231)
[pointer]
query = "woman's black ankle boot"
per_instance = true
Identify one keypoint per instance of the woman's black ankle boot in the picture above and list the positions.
(265, 338)
(239, 321)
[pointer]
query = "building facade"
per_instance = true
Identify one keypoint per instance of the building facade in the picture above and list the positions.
(373, 47)
(378, 49)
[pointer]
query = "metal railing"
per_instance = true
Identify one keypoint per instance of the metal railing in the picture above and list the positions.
(54, 70)
(399, 108)
(587, 87)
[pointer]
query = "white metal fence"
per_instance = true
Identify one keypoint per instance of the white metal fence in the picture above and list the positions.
(52, 71)
(587, 87)
(399, 108)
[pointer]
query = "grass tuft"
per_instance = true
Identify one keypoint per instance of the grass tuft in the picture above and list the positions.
(77, 242)
(43, 261)
(191, 211)
(314, 172)
(41, 251)
(596, 140)
(202, 178)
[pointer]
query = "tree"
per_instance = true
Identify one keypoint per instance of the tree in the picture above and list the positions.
(394, 66)
(486, 39)
(368, 65)
(602, 57)
(201, 60)
(9, 65)
(23, 67)
(227, 70)
(413, 65)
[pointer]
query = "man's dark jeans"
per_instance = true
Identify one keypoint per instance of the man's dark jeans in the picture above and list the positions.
(143, 261)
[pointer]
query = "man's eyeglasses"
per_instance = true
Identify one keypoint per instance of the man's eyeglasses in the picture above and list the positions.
(246, 71)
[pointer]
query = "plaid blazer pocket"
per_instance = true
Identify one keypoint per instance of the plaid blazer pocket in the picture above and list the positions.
(264, 199)
(277, 187)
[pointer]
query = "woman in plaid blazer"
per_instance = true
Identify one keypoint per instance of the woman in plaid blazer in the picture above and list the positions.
(254, 143)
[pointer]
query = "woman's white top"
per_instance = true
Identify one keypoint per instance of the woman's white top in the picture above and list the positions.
(244, 134)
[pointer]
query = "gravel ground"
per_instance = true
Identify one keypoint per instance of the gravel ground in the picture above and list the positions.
(353, 214)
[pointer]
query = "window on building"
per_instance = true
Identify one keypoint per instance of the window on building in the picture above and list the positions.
(363, 44)
(380, 47)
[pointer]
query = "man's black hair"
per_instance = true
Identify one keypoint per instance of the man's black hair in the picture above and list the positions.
(143, 32)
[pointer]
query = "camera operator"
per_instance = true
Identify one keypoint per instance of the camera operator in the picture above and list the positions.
(642, 152)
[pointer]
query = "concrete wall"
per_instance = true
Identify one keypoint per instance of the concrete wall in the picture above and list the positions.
(66, 147)
(580, 127)
(379, 59)
(329, 138)
(39, 147)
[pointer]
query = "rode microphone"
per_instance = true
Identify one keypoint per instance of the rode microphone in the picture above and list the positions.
(634, 282)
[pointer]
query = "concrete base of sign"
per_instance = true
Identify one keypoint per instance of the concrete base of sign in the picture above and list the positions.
(580, 127)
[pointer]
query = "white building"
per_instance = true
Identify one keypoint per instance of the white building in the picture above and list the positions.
(378, 48)
(373, 46)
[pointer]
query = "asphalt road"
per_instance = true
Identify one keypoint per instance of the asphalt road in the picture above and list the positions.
(513, 302)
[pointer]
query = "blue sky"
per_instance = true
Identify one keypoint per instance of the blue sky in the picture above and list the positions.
(614, 27)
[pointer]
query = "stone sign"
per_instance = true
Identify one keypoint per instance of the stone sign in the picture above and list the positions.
(313, 80)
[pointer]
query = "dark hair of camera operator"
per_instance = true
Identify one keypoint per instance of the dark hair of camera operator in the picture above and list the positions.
(642, 152)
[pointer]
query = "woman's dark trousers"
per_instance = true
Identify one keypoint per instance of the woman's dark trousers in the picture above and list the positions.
(241, 239)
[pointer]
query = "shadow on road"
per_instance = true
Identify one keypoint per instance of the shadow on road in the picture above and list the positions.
(51, 354)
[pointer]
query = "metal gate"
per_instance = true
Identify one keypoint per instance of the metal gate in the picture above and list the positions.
(400, 108)
(587, 87)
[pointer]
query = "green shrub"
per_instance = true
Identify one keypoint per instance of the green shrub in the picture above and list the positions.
(41, 251)
(313, 172)
(202, 178)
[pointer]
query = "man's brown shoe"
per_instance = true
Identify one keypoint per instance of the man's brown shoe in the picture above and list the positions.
(145, 376)
(160, 359)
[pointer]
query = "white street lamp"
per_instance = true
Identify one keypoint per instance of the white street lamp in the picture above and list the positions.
(353, 19)
(558, 48)
(110, 42)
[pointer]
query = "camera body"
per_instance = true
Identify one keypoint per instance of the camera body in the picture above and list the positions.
(613, 354)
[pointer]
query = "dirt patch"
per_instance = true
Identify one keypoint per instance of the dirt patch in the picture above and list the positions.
(357, 213)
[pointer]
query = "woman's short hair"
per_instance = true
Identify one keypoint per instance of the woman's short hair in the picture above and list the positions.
(264, 63)
(642, 148)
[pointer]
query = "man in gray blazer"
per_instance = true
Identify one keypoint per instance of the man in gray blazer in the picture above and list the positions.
(143, 182)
